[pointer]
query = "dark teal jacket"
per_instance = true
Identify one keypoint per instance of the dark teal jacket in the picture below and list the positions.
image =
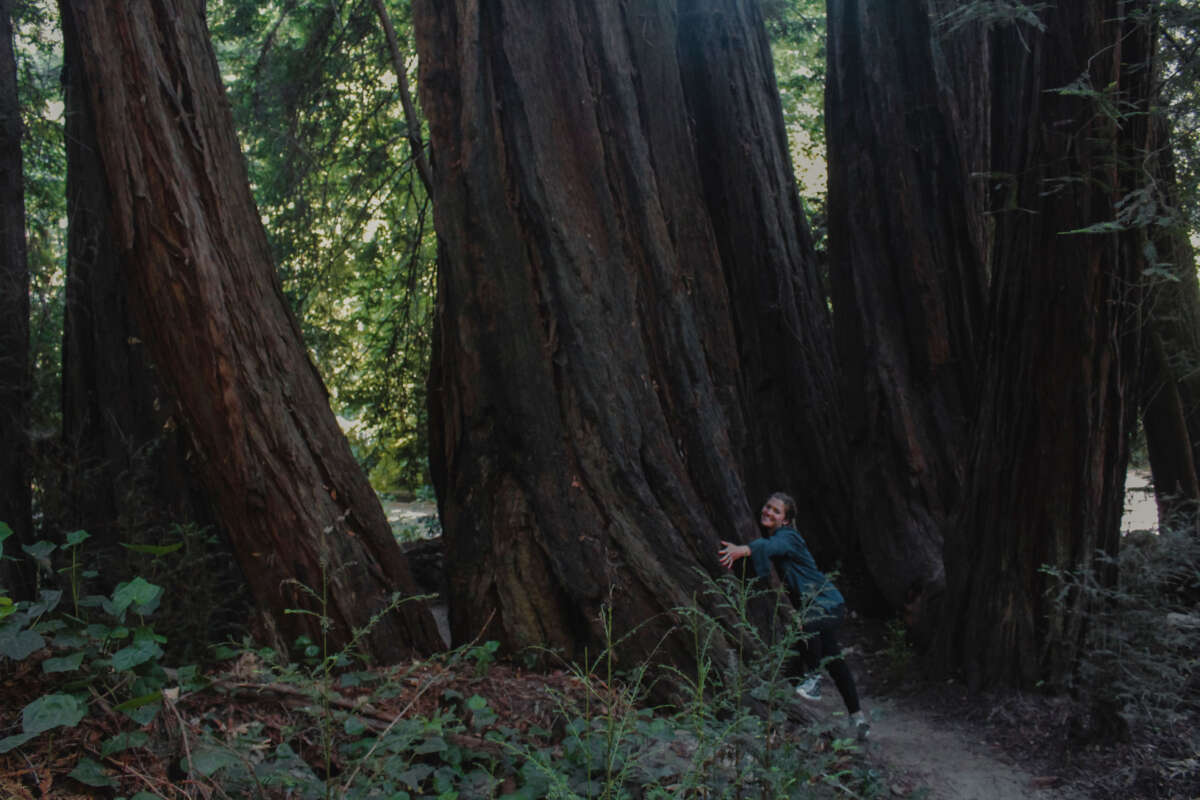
(787, 551)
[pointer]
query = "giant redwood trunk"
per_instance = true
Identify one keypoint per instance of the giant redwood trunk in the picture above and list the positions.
(15, 495)
(301, 517)
(1048, 457)
(592, 430)
(786, 420)
(907, 264)
(125, 474)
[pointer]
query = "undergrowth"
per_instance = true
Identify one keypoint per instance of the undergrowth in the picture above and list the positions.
(429, 729)
(1139, 674)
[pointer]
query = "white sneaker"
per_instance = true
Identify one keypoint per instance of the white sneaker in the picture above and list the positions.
(860, 725)
(811, 688)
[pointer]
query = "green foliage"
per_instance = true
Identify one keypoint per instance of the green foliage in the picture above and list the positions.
(797, 31)
(1142, 656)
(321, 119)
(103, 650)
(38, 48)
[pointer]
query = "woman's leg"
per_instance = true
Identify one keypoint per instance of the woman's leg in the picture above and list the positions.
(838, 670)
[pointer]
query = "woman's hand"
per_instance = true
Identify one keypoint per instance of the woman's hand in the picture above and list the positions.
(731, 552)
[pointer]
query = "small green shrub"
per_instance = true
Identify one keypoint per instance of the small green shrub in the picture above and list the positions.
(1143, 641)
(100, 650)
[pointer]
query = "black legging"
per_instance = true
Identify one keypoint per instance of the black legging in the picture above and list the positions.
(820, 641)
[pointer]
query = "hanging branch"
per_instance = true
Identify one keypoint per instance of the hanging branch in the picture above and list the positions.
(410, 112)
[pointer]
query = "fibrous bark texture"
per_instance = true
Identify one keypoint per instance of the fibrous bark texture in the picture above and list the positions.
(907, 264)
(593, 431)
(125, 468)
(307, 528)
(1049, 453)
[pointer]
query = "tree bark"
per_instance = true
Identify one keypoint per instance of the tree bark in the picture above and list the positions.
(15, 385)
(782, 400)
(592, 439)
(125, 473)
(907, 265)
(308, 530)
(1047, 475)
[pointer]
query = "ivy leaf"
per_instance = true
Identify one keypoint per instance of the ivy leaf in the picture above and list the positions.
(208, 760)
(123, 741)
(64, 664)
(47, 601)
(52, 711)
(19, 644)
(75, 538)
(90, 772)
(39, 551)
(12, 742)
(137, 653)
(139, 594)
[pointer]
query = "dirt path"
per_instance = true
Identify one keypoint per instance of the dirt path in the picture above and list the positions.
(948, 761)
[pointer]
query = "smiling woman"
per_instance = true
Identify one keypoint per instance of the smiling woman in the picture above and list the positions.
(821, 606)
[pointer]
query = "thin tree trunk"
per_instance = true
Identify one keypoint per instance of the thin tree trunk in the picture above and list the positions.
(309, 532)
(412, 121)
(15, 387)
(1170, 367)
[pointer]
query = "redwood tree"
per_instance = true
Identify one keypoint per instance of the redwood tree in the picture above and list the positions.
(307, 528)
(15, 496)
(603, 271)
(1049, 450)
(125, 470)
(906, 114)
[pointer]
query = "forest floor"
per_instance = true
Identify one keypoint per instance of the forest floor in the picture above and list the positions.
(937, 741)
(928, 740)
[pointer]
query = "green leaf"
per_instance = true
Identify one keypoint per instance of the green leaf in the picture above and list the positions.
(6, 607)
(138, 594)
(207, 760)
(12, 742)
(123, 741)
(91, 773)
(75, 538)
(5, 531)
(434, 744)
(476, 703)
(143, 714)
(153, 549)
(63, 664)
(40, 550)
(353, 726)
(413, 776)
(138, 702)
(52, 711)
(137, 653)
(20, 644)
(47, 601)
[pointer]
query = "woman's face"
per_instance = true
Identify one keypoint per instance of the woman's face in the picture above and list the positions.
(773, 514)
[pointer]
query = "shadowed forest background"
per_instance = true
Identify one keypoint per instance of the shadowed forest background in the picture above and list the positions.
(596, 279)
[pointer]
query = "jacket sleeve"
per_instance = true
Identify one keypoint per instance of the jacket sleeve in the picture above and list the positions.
(763, 550)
